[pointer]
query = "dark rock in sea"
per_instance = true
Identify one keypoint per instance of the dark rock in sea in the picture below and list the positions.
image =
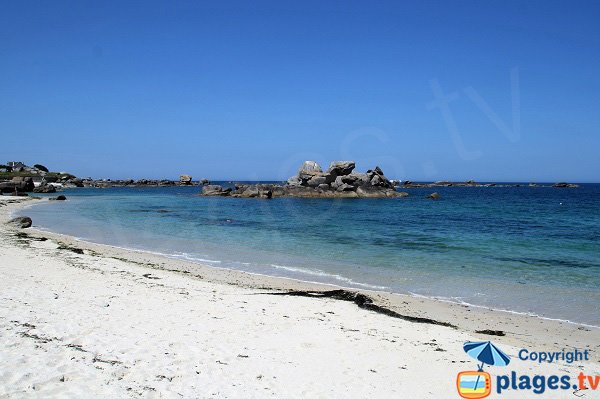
(59, 198)
(204, 182)
(215, 190)
(443, 183)
(433, 196)
(565, 185)
(22, 222)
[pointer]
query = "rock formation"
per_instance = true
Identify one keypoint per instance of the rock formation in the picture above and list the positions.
(565, 185)
(339, 181)
(185, 180)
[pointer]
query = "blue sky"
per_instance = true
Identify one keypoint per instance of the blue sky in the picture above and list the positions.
(247, 90)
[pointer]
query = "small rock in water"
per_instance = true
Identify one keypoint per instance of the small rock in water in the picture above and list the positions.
(434, 196)
(59, 198)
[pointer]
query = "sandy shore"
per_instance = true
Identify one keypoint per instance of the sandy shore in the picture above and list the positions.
(85, 320)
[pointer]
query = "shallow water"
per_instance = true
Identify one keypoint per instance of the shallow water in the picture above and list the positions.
(533, 250)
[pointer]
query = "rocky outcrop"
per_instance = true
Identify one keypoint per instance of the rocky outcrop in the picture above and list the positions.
(434, 196)
(59, 198)
(18, 184)
(107, 183)
(565, 185)
(185, 180)
(339, 181)
(21, 222)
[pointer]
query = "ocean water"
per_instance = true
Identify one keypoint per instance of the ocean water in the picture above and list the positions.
(533, 250)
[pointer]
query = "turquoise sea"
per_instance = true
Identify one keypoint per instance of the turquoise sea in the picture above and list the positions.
(523, 249)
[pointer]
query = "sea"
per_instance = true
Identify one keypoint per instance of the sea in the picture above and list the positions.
(533, 250)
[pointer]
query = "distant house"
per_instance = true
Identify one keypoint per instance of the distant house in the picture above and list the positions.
(16, 166)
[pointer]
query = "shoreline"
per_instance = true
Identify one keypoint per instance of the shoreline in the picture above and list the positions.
(435, 308)
(302, 284)
(80, 319)
(318, 284)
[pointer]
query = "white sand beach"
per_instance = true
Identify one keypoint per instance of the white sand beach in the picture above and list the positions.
(82, 320)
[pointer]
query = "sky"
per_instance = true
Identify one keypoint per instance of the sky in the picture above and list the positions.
(453, 90)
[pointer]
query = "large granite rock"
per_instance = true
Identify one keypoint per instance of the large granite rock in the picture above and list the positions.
(185, 180)
(309, 169)
(341, 168)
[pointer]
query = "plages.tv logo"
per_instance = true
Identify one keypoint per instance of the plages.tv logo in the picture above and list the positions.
(478, 384)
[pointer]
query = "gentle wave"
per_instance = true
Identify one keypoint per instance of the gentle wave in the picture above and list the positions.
(321, 273)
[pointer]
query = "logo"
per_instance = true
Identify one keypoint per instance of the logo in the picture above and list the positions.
(478, 384)
(473, 384)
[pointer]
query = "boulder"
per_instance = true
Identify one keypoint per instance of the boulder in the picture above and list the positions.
(309, 169)
(317, 180)
(76, 182)
(204, 182)
(253, 191)
(378, 179)
(341, 168)
(433, 196)
(45, 188)
(7, 187)
(215, 190)
(185, 180)
(21, 222)
(23, 183)
(59, 198)
(338, 182)
(345, 187)
(250, 192)
(294, 181)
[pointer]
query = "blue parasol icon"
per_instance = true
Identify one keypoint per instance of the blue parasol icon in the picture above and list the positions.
(487, 353)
